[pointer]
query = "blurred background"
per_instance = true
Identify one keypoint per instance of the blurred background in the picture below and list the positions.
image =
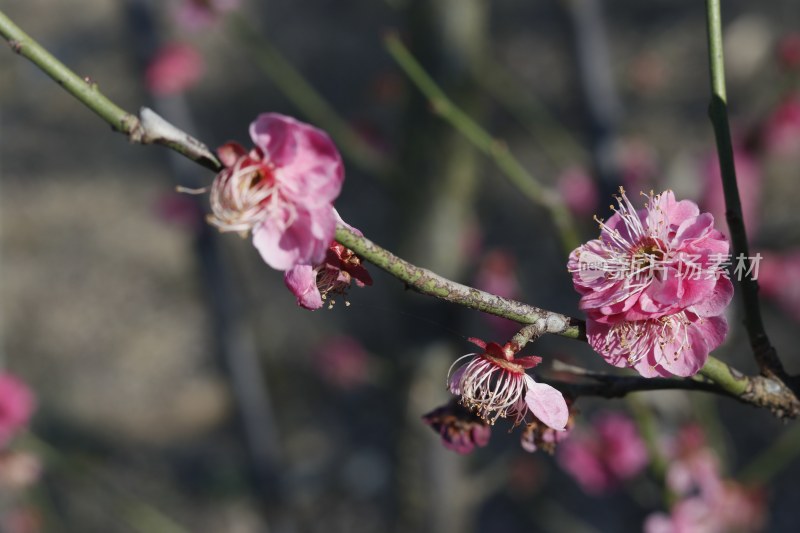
(178, 387)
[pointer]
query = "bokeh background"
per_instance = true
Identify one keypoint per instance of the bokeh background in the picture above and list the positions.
(180, 388)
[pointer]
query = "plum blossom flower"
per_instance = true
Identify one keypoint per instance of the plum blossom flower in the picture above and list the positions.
(16, 406)
(282, 190)
(174, 68)
(460, 429)
(313, 284)
(652, 287)
(494, 385)
(612, 452)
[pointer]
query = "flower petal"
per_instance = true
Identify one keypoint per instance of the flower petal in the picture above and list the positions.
(302, 281)
(547, 404)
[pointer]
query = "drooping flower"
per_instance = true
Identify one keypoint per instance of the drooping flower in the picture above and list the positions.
(174, 69)
(312, 285)
(460, 429)
(16, 406)
(494, 385)
(282, 190)
(607, 455)
(653, 288)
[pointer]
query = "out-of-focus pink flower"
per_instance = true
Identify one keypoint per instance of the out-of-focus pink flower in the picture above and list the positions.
(579, 191)
(313, 285)
(749, 181)
(16, 406)
(708, 503)
(180, 210)
(174, 69)
(497, 275)
(194, 15)
(461, 430)
(781, 132)
(652, 288)
(494, 385)
(282, 190)
(779, 280)
(342, 362)
(612, 452)
(789, 51)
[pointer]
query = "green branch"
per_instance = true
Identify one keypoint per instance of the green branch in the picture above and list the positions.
(491, 147)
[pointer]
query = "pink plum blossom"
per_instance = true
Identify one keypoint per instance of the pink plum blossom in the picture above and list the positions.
(494, 385)
(651, 286)
(313, 285)
(610, 453)
(16, 406)
(460, 429)
(174, 69)
(283, 190)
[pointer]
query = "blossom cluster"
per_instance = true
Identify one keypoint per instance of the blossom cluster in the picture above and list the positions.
(667, 323)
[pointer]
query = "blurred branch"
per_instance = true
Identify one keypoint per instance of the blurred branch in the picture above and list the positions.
(493, 148)
(765, 354)
(557, 142)
(147, 128)
(308, 100)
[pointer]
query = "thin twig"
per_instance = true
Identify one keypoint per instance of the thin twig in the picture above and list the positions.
(764, 352)
(493, 148)
(148, 128)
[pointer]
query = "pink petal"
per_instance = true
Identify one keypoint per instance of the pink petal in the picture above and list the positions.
(302, 281)
(309, 166)
(547, 404)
